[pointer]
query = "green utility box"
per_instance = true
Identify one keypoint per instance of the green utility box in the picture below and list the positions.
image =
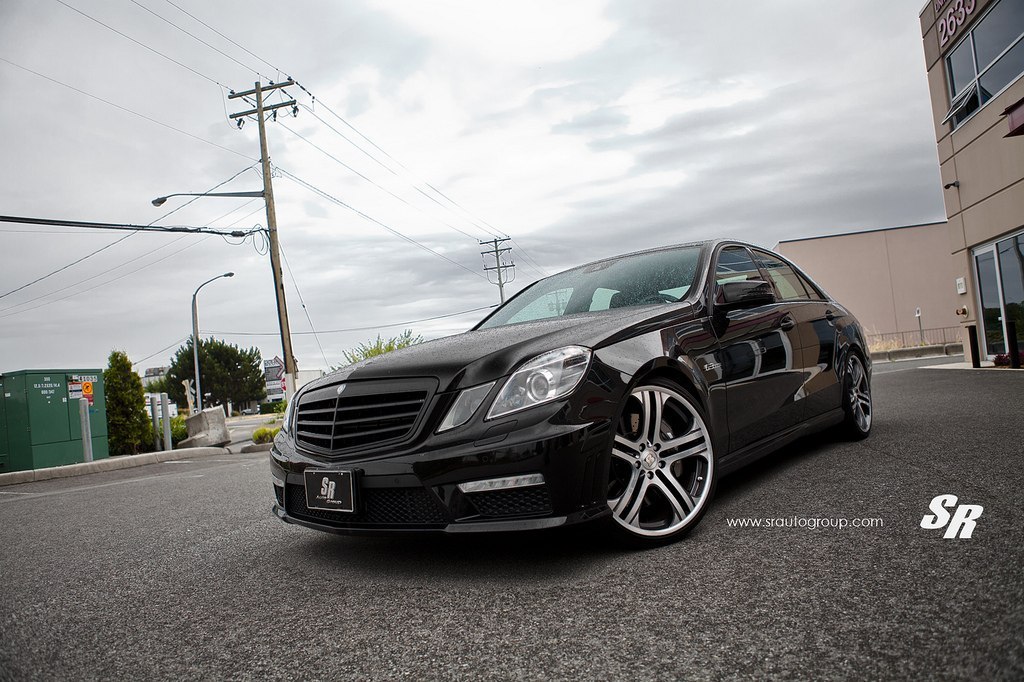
(40, 425)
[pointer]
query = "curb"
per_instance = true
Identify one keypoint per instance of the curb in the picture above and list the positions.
(918, 352)
(257, 447)
(107, 464)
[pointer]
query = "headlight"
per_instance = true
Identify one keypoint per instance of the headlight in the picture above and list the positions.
(545, 378)
(465, 406)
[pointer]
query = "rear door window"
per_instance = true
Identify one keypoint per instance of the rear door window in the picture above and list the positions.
(788, 286)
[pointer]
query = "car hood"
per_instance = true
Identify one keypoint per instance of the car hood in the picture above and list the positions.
(479, 356)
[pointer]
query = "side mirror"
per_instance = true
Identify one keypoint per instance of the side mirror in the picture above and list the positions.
(745, 294)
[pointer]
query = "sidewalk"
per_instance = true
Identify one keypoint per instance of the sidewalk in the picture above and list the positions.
(108, 464)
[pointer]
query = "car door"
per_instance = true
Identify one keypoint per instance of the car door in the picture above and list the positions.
(816, 318)
(759, 355)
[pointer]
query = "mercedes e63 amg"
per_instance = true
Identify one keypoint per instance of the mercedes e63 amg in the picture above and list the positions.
(618, 391)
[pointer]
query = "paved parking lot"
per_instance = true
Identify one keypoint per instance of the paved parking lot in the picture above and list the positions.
(177, 570)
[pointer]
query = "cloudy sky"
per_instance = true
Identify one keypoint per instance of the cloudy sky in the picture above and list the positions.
(580, 128)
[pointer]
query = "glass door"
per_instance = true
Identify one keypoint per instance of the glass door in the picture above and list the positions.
(1011, 276)
(991, 338)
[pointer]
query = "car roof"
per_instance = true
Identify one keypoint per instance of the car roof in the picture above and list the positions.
(709, 244)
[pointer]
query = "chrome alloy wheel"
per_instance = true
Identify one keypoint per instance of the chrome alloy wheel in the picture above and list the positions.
(858, 398)
(662, 463)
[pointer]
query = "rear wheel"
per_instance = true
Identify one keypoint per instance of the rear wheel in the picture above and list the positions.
(857, 404)
(662, 472)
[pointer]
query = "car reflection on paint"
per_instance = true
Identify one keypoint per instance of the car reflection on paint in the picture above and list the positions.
(617, 392)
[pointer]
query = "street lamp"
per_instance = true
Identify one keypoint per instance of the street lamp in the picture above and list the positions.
(159, 201)
(195, 337)
(273, 248)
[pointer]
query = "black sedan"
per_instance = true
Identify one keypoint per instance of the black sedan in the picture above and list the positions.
(618, 392)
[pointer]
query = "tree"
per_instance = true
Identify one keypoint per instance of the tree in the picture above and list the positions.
(228, 373)
(380, 347)
(128, 426)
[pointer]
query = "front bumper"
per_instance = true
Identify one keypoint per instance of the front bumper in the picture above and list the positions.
(418, 490)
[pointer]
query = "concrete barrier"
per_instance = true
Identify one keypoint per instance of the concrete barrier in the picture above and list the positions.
(916, 352)
(109, 464)
(207, 429)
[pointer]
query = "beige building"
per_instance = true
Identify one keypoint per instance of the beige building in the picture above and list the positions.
(974, 52)
(897, 281)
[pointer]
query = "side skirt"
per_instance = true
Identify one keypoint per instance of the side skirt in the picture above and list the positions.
(741, 458)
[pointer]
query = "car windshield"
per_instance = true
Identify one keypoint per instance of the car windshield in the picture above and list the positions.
(641, 279)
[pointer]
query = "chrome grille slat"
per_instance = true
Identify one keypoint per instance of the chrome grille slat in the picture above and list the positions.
(335, 420)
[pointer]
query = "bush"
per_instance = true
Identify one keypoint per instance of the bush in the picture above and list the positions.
(1003, 359)
(179, 432)
(129, 429)
(273, 408)
(264, 435)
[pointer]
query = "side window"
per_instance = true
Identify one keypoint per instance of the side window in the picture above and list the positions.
(787, 284)
(735, 265)
(812, 293)
(551, 304)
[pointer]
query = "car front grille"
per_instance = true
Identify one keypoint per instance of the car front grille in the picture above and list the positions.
(377, 506)
(514, 502)
(355, 415)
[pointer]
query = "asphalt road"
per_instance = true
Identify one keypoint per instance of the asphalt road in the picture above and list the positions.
(179, 571)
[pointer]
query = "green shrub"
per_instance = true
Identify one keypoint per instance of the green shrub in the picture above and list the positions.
(178, 430)
(264, 435)
(273, 408)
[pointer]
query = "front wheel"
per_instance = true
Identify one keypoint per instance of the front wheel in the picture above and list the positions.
(857, 405)
(662, 471)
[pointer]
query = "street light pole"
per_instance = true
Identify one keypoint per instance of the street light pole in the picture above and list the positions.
(159, 201)
(195, 337)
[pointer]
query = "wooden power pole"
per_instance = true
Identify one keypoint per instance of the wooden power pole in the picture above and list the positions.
(499, 267)
(290, 366)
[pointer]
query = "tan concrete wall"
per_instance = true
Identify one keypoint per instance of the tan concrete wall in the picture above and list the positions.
(988, 166)
(882, 276)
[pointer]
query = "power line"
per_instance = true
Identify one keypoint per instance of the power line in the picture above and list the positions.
(380, 187)
(140, 44)
(253, 54)
(195, 37)
(123, 226)
(134, 258)
(62, 269)
(494, 232)
(363, 329)
(101, 284)
(303, 304)
(126, 109)
(393, 231)
(166, 348)
(115, 242)
(389, 169)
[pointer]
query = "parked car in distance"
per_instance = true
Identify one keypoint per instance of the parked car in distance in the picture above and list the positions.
(616, 392)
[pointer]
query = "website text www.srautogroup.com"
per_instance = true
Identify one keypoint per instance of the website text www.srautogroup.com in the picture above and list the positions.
(810, 522)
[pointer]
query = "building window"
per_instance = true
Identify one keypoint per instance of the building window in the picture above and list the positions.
(988, 59)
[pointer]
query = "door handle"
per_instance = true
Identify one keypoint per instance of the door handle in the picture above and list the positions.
(829, 315)
(787, 323)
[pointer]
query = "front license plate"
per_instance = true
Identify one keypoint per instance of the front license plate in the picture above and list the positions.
(330, 490)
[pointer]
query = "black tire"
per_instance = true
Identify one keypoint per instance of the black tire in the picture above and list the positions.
(858, 407)
(660, 483)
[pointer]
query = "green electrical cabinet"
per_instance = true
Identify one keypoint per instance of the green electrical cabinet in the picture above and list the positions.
(40, 424)
(4, 464)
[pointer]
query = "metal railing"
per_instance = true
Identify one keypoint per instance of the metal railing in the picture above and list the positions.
(909, 339)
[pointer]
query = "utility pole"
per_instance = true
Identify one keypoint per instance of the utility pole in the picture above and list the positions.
(499, 267)
(290, 366)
